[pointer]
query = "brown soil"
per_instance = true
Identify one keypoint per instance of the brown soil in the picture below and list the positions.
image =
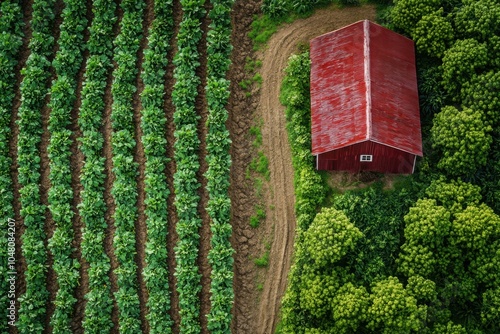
(20, 228)
(240, 107)
(140, 224)
(280, 221)
(76, 167)
(108, 182)
(204, 231)
(172, 236)
(45, 185)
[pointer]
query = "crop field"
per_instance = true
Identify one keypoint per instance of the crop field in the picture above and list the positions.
(116, 165)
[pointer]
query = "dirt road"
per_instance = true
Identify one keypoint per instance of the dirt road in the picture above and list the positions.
(280, 222)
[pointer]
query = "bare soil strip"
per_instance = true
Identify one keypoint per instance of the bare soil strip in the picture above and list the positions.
(77, 161)
(204, 232)
(172, 237)
(110, 177)
(281, 196)
(240, 108)
(45, 185)
(140, 224)
(24, 52)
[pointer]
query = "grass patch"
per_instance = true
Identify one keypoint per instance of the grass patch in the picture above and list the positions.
(260, 164)
(256, 219)
(262, 261)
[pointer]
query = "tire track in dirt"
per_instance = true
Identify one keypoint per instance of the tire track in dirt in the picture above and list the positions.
(280, 222)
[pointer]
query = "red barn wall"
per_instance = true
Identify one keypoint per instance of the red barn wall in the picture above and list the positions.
(385, 159)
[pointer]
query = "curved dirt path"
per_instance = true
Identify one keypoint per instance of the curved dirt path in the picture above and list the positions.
(280, 222)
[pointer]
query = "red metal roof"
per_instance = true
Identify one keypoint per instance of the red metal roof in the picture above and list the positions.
(364, 87)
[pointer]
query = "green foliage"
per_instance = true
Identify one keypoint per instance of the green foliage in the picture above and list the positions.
(350, 307)
(482, 93)
(478, 18)
(317, 291)
(156, 190)
(461, 61)
(427, 225)
(220, 255)
(262, 261)
(455, 195)
(67, 62)
(33, 89)
(407, 13)
(463, 138)
(10, 41)
(124, 188)
(421, 289)
(186, 147)
(92, 208)
(433, 33)
(259, 215)
(330, 236)
(393, 309)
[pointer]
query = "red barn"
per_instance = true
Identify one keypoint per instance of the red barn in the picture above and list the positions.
(364, 100)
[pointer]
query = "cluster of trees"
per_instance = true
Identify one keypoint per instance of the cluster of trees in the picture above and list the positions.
(458, 45)
(34, 88)
(423, 257)
(10, 42)
(67, 63)
(153, 122)
(92, 208)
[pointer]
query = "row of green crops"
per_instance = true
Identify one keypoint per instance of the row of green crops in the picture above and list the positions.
(10, 42)
(155, 182)
(92, 208)
(34, 88)
(124, 189)
(219, 162)
(67, 62)
(186, 185)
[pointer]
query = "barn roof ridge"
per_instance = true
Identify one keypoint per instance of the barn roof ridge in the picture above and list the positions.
(361, 91)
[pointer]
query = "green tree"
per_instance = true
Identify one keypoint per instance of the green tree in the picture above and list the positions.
(478, 18)
(393, 309)
(433, 33)
(461, 62)
(330, 236)
(407, 13)
(482, 93)
(350, 307)
(463, 138)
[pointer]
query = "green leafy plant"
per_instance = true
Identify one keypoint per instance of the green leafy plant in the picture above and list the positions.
(34, 87)
(92, 208)
(156, 190)
(463, 138)
(10, 42)
(67, 62)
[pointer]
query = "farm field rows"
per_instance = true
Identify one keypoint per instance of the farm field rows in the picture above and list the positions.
(116, 133)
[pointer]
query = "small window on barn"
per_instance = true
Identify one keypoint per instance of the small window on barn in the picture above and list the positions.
(366, 158)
